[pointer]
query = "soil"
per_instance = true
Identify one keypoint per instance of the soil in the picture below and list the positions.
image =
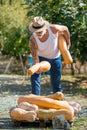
(13, 86)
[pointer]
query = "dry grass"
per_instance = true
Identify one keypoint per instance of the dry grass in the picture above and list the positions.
(12, 86)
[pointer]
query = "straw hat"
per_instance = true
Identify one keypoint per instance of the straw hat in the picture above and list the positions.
(38, 24)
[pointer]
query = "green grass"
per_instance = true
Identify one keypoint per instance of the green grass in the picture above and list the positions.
(80, 123)
(76, 84)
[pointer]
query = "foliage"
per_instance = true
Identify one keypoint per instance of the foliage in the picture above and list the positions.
(70, 13)
(14, 30)
(15, 17)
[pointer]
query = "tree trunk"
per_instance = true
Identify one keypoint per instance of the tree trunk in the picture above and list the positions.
(10, 2)
(72, 68)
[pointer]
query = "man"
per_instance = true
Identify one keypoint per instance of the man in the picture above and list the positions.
(44, 47)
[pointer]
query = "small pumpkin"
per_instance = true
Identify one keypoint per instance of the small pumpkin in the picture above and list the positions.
(43, 114)
(44, 65)
(27, 106)
(19, 114)
(64, 50)
(56, 96)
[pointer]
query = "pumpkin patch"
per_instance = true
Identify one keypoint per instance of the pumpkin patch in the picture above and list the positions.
(32, 107)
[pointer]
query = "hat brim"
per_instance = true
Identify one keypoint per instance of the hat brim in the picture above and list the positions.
(32, 29)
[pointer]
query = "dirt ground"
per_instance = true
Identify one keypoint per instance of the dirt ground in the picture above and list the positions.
(13, 86)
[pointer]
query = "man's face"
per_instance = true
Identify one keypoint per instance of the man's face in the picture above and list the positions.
(39, 33)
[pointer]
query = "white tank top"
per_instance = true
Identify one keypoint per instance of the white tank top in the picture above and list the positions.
(49, 48)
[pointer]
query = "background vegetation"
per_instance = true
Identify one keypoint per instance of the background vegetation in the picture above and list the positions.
(16, 15)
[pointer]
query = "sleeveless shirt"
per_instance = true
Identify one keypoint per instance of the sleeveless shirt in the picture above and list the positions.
(49, 48)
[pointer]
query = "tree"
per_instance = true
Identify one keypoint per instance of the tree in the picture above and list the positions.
(14, 30)
(70, 13)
